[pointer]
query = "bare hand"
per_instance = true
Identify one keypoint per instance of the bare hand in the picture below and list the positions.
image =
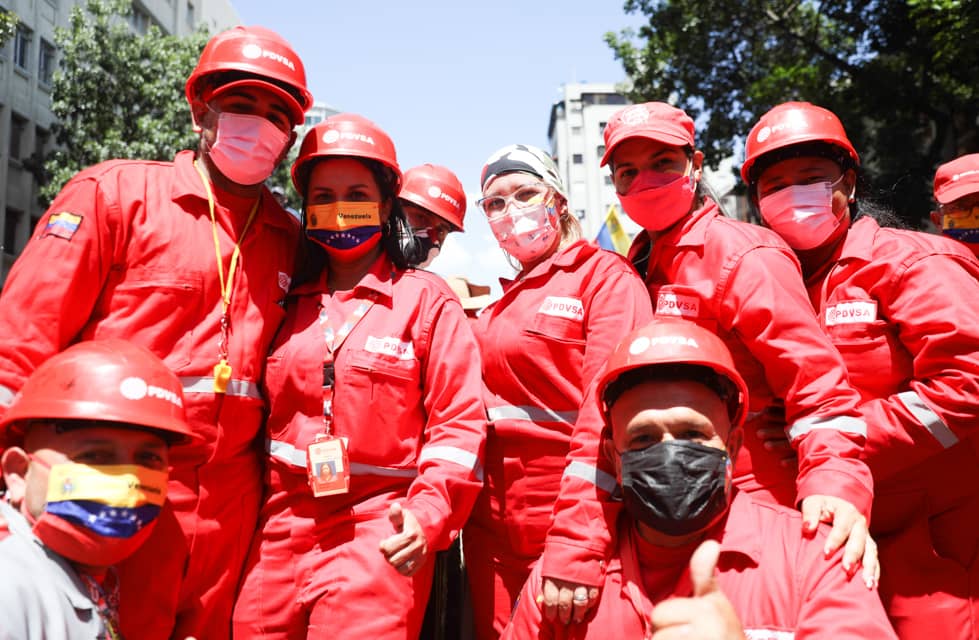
(567, 601)
(849, 527)
(407, 549)
(708, 615)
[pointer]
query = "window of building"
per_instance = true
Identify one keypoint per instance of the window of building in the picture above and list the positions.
(45, 63)
(601, 127)
(10, 224)
(608, 180)
(600, 151)
(22, 47)
(18, 128)
(576, 131)
(580, 213)
(191, 16)
(577, 158)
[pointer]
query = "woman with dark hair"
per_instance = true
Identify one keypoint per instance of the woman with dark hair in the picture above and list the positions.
(901, 308)
(374, 378)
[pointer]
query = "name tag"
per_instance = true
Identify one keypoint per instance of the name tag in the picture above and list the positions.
(570, 308)
(390, 347)
(670, 303)
(853, 312)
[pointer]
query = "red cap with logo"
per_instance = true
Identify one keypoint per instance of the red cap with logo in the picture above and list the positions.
(652, 120)
(957, 178)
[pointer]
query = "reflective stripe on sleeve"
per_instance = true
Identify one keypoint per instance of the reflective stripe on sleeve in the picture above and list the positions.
(292, 456)
(205, 384)
(845, 424)
(923, 414)
(6, 396)
(592, 475)
(464, 458)
(532, 414)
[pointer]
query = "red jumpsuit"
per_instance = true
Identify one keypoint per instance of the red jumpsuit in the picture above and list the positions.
(407, 396)
(901, 307)
(779, 583)
(127, 250)
(543, 345)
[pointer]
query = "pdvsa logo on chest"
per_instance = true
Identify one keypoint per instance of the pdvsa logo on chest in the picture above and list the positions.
(390, 347)
(570, 308)
(852, 312)
(670, 303)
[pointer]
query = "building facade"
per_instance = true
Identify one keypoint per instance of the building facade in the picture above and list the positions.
(27, 65)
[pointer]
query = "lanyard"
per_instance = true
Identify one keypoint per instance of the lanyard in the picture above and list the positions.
(106, 602)
(334, 339)
(222, 370)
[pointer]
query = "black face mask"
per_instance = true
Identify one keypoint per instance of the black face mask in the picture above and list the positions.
(676, 487)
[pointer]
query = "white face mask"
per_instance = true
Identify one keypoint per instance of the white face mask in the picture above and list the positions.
(802, 214)
(526, 234)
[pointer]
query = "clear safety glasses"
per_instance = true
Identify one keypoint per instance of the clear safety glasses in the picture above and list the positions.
(526, 196)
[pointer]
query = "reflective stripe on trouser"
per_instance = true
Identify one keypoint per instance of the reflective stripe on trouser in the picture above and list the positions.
(844, 424)
(205, 384)
(923, 414)
(294, 457)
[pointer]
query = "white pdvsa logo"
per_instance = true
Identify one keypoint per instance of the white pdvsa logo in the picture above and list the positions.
(136, 389)
(642, 343)
(435, 193)
(253, 51)
(333, 135)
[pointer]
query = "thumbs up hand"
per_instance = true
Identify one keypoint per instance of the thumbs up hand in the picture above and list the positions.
(407, 549)
(708, 615)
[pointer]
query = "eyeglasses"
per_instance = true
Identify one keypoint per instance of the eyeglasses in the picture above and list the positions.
(526, 196)
(437, 233)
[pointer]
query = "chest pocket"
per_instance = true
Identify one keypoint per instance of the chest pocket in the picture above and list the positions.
(379, 399)
(683, 302)
(876, 361)
(559, 319)
(159, 309)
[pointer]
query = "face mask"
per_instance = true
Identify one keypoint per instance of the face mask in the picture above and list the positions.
(99, 515)
(802, 214)
(247, 147)
(346, 230)
(527, 234)
(964, 228)
(656, 200)
(428, 247)
(676, 487)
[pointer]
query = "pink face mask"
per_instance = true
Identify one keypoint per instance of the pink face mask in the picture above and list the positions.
(247, 147)
(527, 234)
(802, 214)
(657, 200)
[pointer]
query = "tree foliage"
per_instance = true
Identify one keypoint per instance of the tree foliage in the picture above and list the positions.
(116, 93)
(900, 74)
(8, 25)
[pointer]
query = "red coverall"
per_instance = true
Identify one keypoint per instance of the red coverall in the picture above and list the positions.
(744, 283)
(543, 345)
(407, 395)
(779, 583)
(134, 258)
(901, 307)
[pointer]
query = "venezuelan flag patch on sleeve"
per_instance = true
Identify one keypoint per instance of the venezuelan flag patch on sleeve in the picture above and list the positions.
(62, 225)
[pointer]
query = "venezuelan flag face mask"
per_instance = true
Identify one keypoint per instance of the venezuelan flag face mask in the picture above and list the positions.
(99, 515)
(346, 230)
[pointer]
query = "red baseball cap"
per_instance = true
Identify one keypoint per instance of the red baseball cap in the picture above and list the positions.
(653, 120)
(957, 178)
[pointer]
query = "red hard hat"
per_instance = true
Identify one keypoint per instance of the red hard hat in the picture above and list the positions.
(345, 135)
(258, 52)
(793, 123)
(436, 189)
(106, 381)
(671, 342)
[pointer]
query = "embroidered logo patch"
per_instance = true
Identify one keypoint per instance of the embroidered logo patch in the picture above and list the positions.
(390, 347)
(670, 303)
(851, 312)
(570, 308)
(62, 225)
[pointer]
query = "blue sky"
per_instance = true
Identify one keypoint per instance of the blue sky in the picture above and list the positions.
(451, 82)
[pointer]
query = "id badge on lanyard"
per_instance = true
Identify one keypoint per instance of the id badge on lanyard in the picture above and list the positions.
(327, 462)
